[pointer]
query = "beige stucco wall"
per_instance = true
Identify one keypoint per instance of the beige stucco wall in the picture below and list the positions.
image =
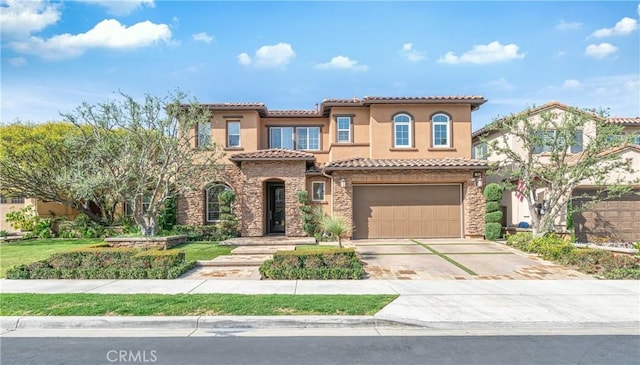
(44, 209)
(382, 131)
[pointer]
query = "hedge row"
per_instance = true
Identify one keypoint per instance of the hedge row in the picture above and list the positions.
(602, 263)
(106, 263)
(338, 264)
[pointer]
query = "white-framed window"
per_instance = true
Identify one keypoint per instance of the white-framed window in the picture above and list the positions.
(402, 130)
(546, 139)
(638, 140)
(343, 129)
(204, 134)
(308, 138)
(212, 204)
(479, 151)
(146, 202)
(317, 191)
(576, 146)
(299, 138)
(441, 130)
(233, 134)
(281, 137)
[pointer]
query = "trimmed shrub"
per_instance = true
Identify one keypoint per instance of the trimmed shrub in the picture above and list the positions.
(106, 263)
(492, 231)
(199, 233)
(338, 264)
(493, 217)
(228, 227)
(492, 207)
(493, 192)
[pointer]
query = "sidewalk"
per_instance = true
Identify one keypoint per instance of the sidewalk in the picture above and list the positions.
(443, 304)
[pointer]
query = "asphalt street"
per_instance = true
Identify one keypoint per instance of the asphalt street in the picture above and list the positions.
(407, 350)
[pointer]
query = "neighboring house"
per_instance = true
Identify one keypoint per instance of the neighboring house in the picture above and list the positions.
(391, 166)
(617, 219)
(43, 209)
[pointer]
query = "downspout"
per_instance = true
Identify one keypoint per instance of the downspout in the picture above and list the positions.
(333, 195)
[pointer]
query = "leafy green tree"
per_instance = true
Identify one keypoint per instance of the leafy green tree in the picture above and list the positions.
(560, 151)
(141, 152)
(33, 160)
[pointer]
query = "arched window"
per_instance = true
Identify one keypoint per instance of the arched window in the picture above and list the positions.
(441, 130)
(402, 130)
(212, 202)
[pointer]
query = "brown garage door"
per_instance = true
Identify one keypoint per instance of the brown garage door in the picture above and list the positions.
(405, 211)
(617, 218)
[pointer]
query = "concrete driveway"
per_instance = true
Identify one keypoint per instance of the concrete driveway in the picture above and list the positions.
(454, 259)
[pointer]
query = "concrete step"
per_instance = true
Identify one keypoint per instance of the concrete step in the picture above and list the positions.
(269, 241)
(235, 260)
(260, 250)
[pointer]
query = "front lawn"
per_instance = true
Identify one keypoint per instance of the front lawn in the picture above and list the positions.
(195, 251)
(24, 252)
(28, 251)
(189, 304)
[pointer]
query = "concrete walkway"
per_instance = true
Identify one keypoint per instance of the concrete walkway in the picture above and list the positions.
(500, 306)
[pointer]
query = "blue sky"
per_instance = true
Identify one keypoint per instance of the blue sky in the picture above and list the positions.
(291, 55)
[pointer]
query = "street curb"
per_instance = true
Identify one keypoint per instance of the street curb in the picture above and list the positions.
(12, 323)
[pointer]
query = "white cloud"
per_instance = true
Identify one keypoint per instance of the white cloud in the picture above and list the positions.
(560, 54)
(202, 37)
(21, 18)
(562, 25)
(272, 56)
(571, 84)
(501, 84)
(411, 54)
(17, 61)
(484, 54)
(343, 63)
(601, 50)
(623, 27)
(109, 33)
(121, 7)
(244, 59)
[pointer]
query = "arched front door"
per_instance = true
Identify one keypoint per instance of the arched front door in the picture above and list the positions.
(275, 208)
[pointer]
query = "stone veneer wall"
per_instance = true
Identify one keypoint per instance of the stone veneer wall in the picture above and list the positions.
(472, 200)
(256, 174)
(191, 209)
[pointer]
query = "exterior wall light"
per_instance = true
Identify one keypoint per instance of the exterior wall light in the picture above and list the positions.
(343, 182)
(477, 178)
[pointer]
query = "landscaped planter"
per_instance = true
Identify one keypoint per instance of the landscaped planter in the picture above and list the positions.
(164, 242)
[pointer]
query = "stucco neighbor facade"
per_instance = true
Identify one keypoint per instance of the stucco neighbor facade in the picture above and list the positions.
(342, 152)
(43, 209)
(604, 221)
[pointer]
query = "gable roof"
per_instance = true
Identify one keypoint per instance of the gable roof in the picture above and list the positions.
(533, 111)
(272, 154)
(427, 163)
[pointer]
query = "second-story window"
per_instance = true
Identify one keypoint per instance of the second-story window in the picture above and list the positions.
(479, 151)
(308, 138)
(402, 131)
(281, 137)
(576, 146)
(441, 130)
(344, 129)
(233, 134)
(299, 138)
(204, 134)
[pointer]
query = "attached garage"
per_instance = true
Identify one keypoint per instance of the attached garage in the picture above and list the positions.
(616, 219)
(407, 210)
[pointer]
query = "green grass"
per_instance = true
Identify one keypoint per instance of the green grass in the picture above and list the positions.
(24, 252)
(189, 304)
(203, 250)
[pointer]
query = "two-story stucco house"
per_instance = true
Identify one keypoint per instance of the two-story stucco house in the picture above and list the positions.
(391, 166)
(617, 219)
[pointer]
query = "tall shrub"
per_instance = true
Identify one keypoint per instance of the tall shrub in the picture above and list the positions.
(228, 220)
(493, 216)
(309, 223)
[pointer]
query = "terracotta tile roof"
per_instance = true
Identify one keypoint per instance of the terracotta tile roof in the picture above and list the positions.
(574, 159)
(272, 154)
(531, 111)
(435, 163)
(315, 169)
(424, 98)
(293, 113)
(622, 120)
